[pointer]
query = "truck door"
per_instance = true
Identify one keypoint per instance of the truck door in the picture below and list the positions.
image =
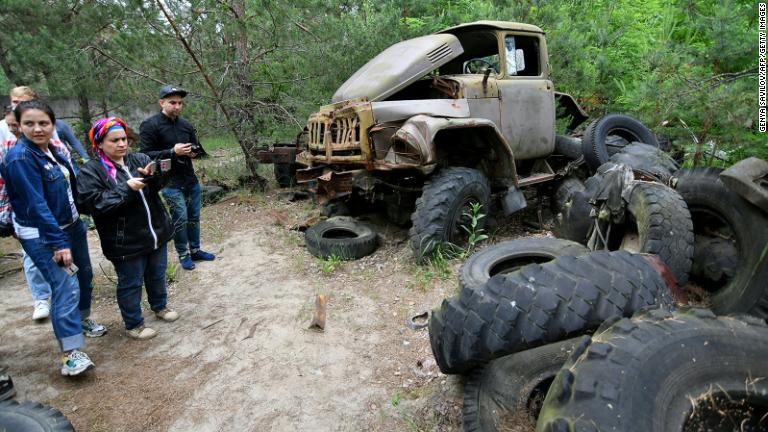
(526, 96)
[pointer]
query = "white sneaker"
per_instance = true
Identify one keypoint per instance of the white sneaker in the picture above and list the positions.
(42, 309)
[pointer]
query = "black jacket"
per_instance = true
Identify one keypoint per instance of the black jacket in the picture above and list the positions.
(130, 223)
(158, 134)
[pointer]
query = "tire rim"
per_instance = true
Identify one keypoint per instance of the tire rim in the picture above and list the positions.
(460, 216)
(709, 223)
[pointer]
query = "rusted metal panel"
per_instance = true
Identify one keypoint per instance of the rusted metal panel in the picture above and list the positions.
(285, 154)
(389, 111)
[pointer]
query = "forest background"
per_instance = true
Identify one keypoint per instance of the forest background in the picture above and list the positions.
(256, 68)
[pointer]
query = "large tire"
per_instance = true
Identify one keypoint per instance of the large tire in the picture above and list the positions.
(714, 259)
(716, 211)
(342, 237)
(659, 224)
(539, 304)
(571, 207)
(508, 392)
(594, 142)
(643, 374)
(32, 417)
(511, 255)
(440, 210)
(647, 160)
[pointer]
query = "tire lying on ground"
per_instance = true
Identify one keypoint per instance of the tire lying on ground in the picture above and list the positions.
(441, 209)
(508, 392)
(659, 223)
(539, 304)
(594, 143)
(342, 237)
(648, 160)
(664, 372)
(511, 255)
(718, 212)
(32, 417)
(571, 207)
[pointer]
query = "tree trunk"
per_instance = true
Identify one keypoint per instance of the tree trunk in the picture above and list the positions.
(85, 108)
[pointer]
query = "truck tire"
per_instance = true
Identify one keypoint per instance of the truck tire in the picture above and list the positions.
(342, 237)
(714, 259)
(571, 207)
(716, 211)
(539, 304)
(440, 210)
(594, 145)
(644, 374)
(32, 417)
(648, 160)
(659, 224)
(510, 256)
(508, 392)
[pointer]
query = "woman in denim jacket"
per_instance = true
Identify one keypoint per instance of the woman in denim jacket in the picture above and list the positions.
(121, 193)
(42, 190)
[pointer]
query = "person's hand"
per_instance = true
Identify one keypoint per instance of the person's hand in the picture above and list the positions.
(63, 257)
(136, 184)
(183, 149)
(147, 170)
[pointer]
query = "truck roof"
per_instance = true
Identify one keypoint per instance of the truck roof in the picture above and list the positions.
(501, 25)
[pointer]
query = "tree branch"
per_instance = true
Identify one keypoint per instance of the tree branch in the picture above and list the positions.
(139, 73)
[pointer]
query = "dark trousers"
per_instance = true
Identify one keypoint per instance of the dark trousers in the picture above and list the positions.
(147, 270)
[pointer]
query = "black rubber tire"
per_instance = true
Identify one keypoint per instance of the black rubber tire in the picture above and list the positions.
(507, 393)
(647, 160)
(709, 201)
(571, 207)
(660, 217)
(511, 255)
(539, 304)
(641, 374)
(285, 174)
(439, 209)
(714, 259)
(342, 237)
(594, 145)
(32, 417)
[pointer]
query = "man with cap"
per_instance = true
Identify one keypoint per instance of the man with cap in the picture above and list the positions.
(166, 135)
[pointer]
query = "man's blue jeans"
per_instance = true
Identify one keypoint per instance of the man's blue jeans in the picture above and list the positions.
(184, 203)
(37, 284)
(148, 270)
(71, 295)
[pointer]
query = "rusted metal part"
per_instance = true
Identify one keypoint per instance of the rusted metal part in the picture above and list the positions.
(678, 294)
(572, 109)
(309, 174)
(332, 185)
(318, 320)
(278, 154)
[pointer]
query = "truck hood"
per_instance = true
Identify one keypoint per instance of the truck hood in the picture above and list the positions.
(398, 66)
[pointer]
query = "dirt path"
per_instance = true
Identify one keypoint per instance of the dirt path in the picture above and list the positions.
(241, 357)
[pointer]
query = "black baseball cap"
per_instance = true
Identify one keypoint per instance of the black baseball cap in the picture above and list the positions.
(170, 89)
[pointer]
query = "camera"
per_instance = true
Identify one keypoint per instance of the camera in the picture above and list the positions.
(196, 148)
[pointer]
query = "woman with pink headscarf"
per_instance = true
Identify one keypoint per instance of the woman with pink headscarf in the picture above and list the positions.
(120, 190)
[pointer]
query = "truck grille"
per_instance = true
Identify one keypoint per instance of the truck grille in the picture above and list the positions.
(339, 135)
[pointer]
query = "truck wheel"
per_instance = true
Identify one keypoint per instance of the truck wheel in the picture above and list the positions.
(571, 207)
(629, 129)
(664, 372)
(718, 212)
(32, 417)
(285, 174)
(508, 392)
(539, 304)
(441, 211)
(659, 224)
(342, 237)
(510, 256)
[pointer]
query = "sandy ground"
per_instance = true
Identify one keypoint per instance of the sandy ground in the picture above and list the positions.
(241, 357)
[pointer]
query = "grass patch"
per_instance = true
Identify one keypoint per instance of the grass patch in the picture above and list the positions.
(219, 142)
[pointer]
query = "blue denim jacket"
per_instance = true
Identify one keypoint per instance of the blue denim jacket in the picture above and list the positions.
(38, 191)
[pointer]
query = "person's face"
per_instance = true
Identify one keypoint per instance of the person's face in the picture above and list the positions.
(13, 125)
(36, 126)
(17, 99)
(172, 105)
(115, 144)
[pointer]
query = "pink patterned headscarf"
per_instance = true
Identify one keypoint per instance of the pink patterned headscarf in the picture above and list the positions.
(97, 133)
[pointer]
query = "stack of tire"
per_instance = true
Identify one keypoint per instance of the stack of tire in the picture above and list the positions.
(553, 334)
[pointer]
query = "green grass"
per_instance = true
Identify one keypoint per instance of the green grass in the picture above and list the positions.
(219, 142)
